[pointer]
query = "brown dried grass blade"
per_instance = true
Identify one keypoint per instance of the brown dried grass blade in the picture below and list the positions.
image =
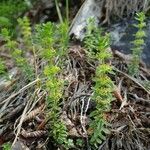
(117, 95)
(34, 134)
(42, 125)
(34, 112)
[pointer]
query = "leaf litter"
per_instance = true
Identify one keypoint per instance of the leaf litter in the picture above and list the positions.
(23, 114)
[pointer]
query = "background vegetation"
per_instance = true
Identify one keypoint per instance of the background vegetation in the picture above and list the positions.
(67, 95)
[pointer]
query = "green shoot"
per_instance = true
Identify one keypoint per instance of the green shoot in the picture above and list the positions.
(7, 146)
(97, 45)
(138, 44)
(2, 67)
(46, 36)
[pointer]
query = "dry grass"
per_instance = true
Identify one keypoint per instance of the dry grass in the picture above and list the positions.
(123, 8)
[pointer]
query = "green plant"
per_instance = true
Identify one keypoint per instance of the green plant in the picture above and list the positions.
(48, 43)
(7, 146)
(47, 35)
(138, 44)
(10, 10)
(80, 143)
(17, 54)
(5, 22)
(23, 64)
(9, 44)
(25, 29)
(2, 67)
(6, 36)
(97, 45)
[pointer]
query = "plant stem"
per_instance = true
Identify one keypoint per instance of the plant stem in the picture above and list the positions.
(58, 11)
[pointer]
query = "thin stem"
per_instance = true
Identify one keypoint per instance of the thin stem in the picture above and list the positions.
(58, 12)
(67, 10)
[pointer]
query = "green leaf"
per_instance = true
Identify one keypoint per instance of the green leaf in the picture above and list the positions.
(98, 140)
(5, 22)
(106, 131)
(2, 67)
(51, 70)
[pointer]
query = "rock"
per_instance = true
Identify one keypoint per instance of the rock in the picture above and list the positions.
(89, 9)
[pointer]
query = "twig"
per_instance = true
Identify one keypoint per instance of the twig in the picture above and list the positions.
(88, 102)
(133, 79)
(124, 102)
(81, 117)
(33, 113)
(6, 101)
(33, 105)
(117, 92)
(126, 57)
(20, 123)
(82, 95)
(141, 100)
(145, 70)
